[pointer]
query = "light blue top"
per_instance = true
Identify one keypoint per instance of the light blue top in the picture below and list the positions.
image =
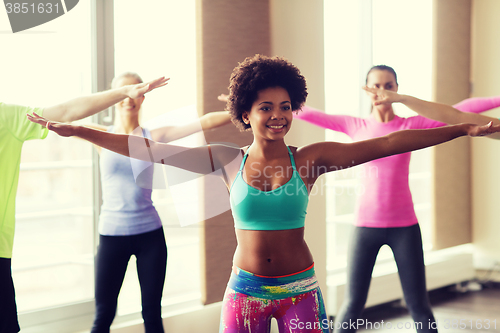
(280, 209)
(127, 209)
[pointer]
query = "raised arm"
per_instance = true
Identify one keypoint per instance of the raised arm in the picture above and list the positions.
(478, 104)
(437, 111)
(202, 160)
(82, 107)
(339, 123)
(333, 156)
(215, 119)
(206, 122)
(444, 113)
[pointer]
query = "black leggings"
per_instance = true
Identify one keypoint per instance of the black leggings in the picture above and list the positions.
(111, 263)
(406, 244)
(8, 312)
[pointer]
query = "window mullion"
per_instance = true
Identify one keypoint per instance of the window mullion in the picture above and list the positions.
(366, 51)
(103, 71)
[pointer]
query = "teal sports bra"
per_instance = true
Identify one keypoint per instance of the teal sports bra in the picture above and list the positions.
(280, 209)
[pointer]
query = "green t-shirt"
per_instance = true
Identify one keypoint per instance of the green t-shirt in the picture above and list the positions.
(15, 128)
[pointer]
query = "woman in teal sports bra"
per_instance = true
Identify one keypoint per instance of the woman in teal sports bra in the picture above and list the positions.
(273, 269)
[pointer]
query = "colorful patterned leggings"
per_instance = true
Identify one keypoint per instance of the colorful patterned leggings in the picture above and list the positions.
(295, 301)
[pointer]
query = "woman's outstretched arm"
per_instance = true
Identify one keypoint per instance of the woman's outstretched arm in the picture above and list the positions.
(338, 123)
(436, 111)
(202, 160)
(333, 156)
(82, 107)
(478, 104)
(206, 122)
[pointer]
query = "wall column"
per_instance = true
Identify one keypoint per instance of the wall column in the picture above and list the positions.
(228, 32)
(452, 187)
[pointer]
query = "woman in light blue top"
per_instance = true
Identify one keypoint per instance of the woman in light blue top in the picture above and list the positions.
(129, 223)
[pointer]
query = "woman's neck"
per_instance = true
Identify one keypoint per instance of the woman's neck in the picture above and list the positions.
(268, 149)
(126, 124)
(384, 115)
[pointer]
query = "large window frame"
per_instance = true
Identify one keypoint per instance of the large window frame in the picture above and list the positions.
(339, 221)
(46, 256)
(78, 316)
(103, 62)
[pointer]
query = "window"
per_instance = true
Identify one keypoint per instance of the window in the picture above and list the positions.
(53, 247)
(342, 82)
(390, 32)
(171, 53)
(410, 24)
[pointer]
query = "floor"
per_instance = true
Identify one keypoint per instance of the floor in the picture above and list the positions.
(467, 310)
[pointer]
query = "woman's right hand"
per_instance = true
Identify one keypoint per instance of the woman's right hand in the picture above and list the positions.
(222, 97)
(383, 96)
(61, 129)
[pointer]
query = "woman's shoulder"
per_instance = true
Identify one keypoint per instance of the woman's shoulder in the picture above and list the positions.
(293, 149)
(307, 152)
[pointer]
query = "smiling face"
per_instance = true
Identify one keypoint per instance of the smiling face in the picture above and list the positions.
(128, 106)
(271, 114)
(381, 79)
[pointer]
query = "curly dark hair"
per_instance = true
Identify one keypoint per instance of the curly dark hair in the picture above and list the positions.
(261, 72)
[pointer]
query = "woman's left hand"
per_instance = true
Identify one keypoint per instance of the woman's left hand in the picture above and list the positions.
(483, 130)
(138, 90)
(61, 129)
